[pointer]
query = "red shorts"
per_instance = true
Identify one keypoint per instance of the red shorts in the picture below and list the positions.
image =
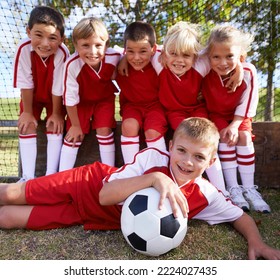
(38, 107)
(174, 118)
(71, 198)
(101, 114)
(221, 123)
(150, 116)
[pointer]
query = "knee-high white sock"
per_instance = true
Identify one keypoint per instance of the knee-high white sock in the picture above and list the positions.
(68, 155)
(158, 143)
(107, 148)
(246, 164)
(227, 157)
(130, 147)
(53, 152)
(28, 155)
(216, 177)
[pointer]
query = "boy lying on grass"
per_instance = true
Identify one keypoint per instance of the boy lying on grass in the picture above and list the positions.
(92, 195)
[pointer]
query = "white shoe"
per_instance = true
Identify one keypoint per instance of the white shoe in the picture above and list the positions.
(21, 180)
(236, 196)
(255, 200)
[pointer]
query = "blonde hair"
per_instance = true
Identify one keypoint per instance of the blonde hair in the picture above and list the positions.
(200, 130)
(182, 38)
(88, 27)
(230, 34)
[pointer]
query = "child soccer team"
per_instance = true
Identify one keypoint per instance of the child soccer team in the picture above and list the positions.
(87, 91)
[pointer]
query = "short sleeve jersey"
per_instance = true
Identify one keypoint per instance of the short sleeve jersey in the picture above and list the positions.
(83, 84)
(43, 75)
(223, 104)
(205, 201)
(140, 87)
(181, 93)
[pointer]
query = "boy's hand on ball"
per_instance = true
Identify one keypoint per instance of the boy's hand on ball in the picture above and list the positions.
(168, 189)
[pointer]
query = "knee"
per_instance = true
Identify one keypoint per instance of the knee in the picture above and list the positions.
(12, 193)
(245, 138)
(5, 219)
(130, 127)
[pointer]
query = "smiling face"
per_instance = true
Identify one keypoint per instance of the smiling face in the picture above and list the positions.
(179, 64)
(139, 53)
(45, 39)
(224, 57)
(189, 158)
(91, 50)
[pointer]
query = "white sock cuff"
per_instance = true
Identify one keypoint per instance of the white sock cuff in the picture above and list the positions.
(105, 140)
(28, 138)
(70, 144)
(245, 150)
(53, 136)
(129, 140)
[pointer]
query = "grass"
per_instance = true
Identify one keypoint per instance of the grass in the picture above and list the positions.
(202, 242)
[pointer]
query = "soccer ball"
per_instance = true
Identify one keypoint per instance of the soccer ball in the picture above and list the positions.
(147, 229)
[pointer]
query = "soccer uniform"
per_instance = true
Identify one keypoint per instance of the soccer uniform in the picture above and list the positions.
(71, 197)
(93, 92)
(139, 98)
(223, 105)
(180, 96)
(44, 76)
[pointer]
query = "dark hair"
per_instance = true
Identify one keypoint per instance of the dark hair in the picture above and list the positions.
(48, 16)
(138, 31)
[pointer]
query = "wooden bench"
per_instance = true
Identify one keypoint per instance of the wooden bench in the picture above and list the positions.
(267, 149)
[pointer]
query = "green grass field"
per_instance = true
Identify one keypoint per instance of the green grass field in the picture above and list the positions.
(202, 242)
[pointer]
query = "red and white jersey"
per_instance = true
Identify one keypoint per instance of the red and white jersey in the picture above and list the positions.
(221, 103)
(181, 93)
(140, 87)
(43, 75)
(81, 83)
(205, 201)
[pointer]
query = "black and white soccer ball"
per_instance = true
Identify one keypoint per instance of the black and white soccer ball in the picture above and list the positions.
(149, 230)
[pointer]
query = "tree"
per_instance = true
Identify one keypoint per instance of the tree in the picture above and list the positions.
(258, 16)
(262, 17)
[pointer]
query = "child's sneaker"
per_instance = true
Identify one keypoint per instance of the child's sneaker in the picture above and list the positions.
(255, 200)
(21, 180)
(237, 198)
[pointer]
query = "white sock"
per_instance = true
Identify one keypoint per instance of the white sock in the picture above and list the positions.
(158, 143)
(130, 147)
(227, 157)
(216, 177)
(28, 155)
(107, 148)
(246, 164)
(68, 155)
(53, 152)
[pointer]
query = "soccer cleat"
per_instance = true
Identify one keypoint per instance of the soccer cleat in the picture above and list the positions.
(237, 198)
(255, 200)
